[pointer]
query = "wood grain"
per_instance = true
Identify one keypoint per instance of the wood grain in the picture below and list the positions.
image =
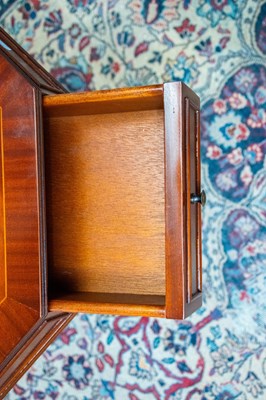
(183, 249)
(13, 326)
(110, 303)
(175, 232)
(122, 235)
(3, 266)
(25, 326)
(193, 211)
(121, 167)
(105, 178)
(20, 209)
(104, 101)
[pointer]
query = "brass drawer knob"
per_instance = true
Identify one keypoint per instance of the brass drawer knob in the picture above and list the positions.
(198, 198)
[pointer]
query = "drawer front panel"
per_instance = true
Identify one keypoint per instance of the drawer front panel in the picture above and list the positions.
(3, 275)
(193, 187)
(183, 210)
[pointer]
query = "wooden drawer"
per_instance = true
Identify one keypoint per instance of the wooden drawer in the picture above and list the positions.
(123, 236)
(99, 205)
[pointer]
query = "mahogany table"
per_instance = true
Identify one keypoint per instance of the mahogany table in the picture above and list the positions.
(100, 205)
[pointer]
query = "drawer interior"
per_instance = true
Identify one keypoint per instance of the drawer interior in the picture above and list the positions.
(105, 204)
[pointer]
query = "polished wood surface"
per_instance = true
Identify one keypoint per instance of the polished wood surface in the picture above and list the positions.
(193, 185)
(3, 267)
(192, 179)
(109, 303)
(183, 246)
(107, 182)
(25, 326)
(104, 101)
(118, 171)
(21, 259)
(108, 221)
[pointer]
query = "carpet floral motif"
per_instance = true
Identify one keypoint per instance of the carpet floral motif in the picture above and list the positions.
(218, 47)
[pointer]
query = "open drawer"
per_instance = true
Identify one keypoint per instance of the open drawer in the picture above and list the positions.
(123, 201)
(100, 193)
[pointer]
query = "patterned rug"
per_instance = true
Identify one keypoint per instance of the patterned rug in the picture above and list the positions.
(218, 48)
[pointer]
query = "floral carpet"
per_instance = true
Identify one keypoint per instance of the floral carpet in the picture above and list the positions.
(218, 48)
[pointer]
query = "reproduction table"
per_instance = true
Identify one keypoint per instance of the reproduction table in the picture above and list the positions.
(100, 205)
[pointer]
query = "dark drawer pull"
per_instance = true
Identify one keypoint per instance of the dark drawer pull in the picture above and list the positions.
(198, 198)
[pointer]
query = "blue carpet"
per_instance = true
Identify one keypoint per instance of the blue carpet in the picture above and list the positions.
(218, 48)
